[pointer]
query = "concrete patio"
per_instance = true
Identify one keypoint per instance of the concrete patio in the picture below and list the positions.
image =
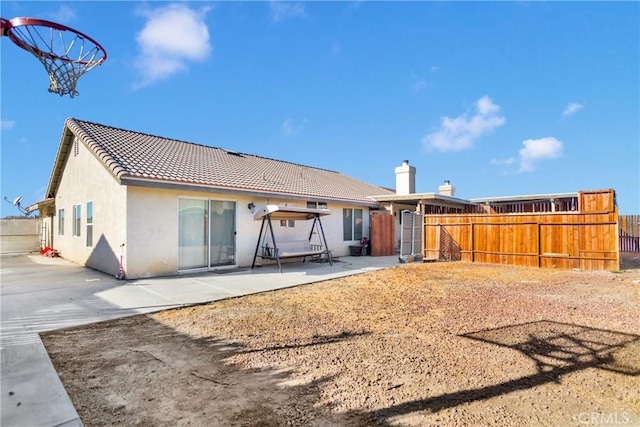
(40, 294)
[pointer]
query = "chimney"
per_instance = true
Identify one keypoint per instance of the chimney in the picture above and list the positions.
(447, 189)
(405, 179)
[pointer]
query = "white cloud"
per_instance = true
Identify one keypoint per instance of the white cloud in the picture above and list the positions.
(281, 10)
(535, 150)
(289, 128)
(7, 124)
(64, 14)
(507, 161)
(173, 36)
(571, 109)
(460, 133)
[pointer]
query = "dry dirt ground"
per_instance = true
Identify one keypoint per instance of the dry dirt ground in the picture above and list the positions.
(450, 344)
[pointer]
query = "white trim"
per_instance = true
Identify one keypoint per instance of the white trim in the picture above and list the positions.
(190, 186)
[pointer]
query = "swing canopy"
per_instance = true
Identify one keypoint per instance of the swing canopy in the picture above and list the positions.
(289, 212)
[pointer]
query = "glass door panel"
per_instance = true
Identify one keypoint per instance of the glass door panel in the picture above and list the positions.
(193, 234)
(223, 233)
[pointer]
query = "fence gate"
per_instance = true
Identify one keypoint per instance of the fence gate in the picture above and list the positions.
(20, 235)
(411, 236)
(382, 236)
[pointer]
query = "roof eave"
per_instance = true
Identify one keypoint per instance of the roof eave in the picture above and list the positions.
(61, 158)
(420, 198)
(523, 198)
(191, 186)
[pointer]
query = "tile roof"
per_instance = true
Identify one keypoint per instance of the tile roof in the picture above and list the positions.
(129, 154)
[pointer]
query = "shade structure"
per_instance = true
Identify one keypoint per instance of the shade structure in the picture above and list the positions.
(289, 212)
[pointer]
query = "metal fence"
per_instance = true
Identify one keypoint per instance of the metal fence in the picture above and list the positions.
(411, 236)
(629, 233)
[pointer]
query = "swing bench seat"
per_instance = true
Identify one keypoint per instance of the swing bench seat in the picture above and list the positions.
(276, 250)
(291, 249)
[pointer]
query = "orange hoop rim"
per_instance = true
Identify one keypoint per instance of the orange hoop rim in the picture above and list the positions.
(9, 24)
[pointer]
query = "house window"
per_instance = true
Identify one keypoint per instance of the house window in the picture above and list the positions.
(76, 220)
(287, 223)
(316, 205)
(61, 222)
(89, 223)
(351, 224)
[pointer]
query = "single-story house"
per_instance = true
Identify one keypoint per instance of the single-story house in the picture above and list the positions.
(120, 199)
(166, 206)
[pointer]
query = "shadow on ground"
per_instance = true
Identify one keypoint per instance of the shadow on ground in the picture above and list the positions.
(630, 260)
(139, 371)
(558, 349)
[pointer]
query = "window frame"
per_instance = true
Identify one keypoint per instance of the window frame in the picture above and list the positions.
(77, 220)
(89, 224)
(61, 222)
(352, 230)
(317, 205)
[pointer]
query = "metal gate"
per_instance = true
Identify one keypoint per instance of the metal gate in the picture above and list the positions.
(20, 235)
(410, 236)
(629, 233)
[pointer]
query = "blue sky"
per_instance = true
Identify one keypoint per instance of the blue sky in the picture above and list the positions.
(500, 98)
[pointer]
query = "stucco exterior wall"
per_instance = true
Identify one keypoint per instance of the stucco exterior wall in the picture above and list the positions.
(152, 217)
(85, 179)
(331, 224)
(145, 220)
(152, 243)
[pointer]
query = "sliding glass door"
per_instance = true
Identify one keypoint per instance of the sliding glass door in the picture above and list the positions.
(206, 233)
(223, 233)
(193, 233)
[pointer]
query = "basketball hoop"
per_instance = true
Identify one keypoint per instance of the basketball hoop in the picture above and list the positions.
(66, 54)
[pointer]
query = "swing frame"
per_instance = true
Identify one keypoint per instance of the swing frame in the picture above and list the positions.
(289, 249)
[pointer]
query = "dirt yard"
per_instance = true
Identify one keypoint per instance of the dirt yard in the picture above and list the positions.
(449, 344)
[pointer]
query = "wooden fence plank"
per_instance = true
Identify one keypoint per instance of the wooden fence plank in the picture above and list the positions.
(382, 235)
(555, 239)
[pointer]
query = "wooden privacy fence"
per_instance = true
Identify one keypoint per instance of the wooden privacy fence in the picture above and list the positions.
(585, 239)
(629, 233)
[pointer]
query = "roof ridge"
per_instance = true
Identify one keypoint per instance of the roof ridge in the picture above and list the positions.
(78, 121)
(145, 133)
(129, 154)
(99, 150)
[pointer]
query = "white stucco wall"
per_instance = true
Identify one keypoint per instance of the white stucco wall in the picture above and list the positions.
(86, 179)
(152, 218)
(331, 224)
(145, 220)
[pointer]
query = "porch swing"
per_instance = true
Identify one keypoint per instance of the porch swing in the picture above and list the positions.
(280, 250)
